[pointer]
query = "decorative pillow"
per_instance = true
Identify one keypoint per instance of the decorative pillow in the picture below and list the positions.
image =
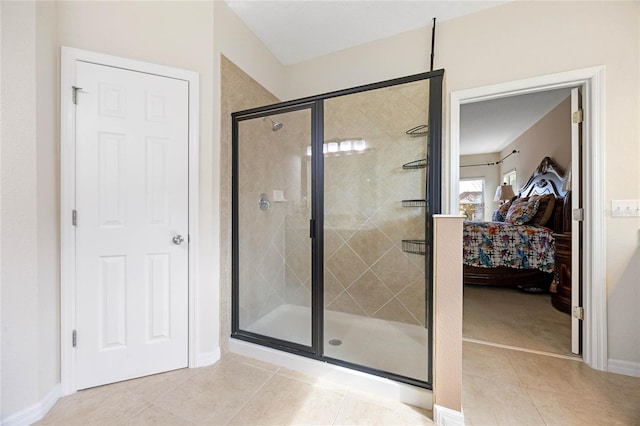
(522, 211)
(500, 214)
(545, 209)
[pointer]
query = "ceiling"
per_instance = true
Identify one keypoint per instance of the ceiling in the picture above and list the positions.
(300, 30)
(296, 31)
(490, 126)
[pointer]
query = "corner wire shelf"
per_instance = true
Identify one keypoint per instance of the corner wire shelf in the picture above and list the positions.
(414, 203)
(414, 246)
(414, 165)
(418, 131)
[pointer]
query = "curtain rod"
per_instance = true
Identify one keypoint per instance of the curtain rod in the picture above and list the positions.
(493, 164)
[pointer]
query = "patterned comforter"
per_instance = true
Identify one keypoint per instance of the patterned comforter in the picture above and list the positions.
(492, 244)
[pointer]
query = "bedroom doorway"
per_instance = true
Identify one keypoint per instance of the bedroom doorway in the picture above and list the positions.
(503, 142)
(591, 266)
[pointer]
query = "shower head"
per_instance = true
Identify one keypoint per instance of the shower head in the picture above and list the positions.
(275, 126)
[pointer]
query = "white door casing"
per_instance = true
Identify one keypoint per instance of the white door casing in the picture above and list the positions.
(135, 210)
(594, 296)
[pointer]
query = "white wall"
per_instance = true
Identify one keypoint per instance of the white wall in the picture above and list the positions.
(48, 184)
(235, 40)
(19, 239)
(548, 137)
(516, 41)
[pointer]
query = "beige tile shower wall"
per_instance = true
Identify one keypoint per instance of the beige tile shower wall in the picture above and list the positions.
(274, 244)
(260, 233)
(238, 92)
(294, 137)
(366, 271)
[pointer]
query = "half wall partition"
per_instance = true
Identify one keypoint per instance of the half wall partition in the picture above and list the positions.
(333, 197)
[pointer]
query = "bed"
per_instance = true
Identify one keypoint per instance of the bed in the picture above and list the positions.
(520, 252)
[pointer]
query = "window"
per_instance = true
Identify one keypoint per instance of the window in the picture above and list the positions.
(471, 198)
(510, 179)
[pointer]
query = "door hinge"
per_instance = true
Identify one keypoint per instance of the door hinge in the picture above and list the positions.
(74, 217)
(578, 312)
(74, 96)
(578, 116)
(578, 214)
(74, 338)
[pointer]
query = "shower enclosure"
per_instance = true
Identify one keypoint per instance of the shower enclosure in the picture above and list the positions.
(333, 197)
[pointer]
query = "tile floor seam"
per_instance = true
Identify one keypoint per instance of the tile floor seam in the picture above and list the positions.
(258, 367)
(337, 415)
(583, 397)
(166, 390)
(148, 404)
(253, 395)
(171, 412)
(520, 349)
(533, 402)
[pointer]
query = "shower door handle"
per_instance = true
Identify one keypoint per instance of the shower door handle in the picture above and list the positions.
(312, 228)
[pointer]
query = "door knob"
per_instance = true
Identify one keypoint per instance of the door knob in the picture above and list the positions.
(177, 240)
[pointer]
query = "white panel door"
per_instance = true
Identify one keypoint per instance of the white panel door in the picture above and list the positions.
(132, 212)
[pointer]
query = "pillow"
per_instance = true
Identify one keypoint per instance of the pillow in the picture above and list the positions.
(500, 214)
(545, 209)
(522, 211)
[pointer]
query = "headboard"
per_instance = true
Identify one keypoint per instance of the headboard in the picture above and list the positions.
(548, 179)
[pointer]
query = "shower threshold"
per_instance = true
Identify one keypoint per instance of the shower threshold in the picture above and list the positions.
(324, 372)
(389, 346)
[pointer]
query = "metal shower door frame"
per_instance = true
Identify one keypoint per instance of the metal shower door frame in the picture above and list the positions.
(433, 193)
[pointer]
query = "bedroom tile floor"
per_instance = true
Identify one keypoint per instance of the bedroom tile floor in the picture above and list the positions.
(510, 317)
(500, 387)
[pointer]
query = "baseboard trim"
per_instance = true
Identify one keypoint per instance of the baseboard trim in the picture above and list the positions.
(35, 412)
(207, 358)
(628, 368)
(443, 416)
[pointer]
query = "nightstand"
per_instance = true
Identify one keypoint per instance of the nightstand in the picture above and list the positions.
(561, 300)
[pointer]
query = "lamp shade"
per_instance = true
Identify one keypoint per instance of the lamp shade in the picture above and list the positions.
(504, 192)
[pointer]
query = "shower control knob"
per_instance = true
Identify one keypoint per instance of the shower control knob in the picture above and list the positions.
(177, 240)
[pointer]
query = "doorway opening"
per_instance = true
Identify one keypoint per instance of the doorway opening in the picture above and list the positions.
(592, 268)
(503, 141)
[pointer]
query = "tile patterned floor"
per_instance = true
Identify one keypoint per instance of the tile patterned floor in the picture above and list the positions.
(510, 387)
(500, 387)
(511, 317)
(234, 391)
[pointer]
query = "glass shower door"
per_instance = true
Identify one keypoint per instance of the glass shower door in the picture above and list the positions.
(272, 246)
(375, 204)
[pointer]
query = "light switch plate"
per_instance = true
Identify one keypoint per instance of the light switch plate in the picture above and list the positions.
(625, 208)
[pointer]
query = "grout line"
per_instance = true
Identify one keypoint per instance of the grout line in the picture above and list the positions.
(273, 373)
(516, 348)
(146, 407)
(335, 418)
